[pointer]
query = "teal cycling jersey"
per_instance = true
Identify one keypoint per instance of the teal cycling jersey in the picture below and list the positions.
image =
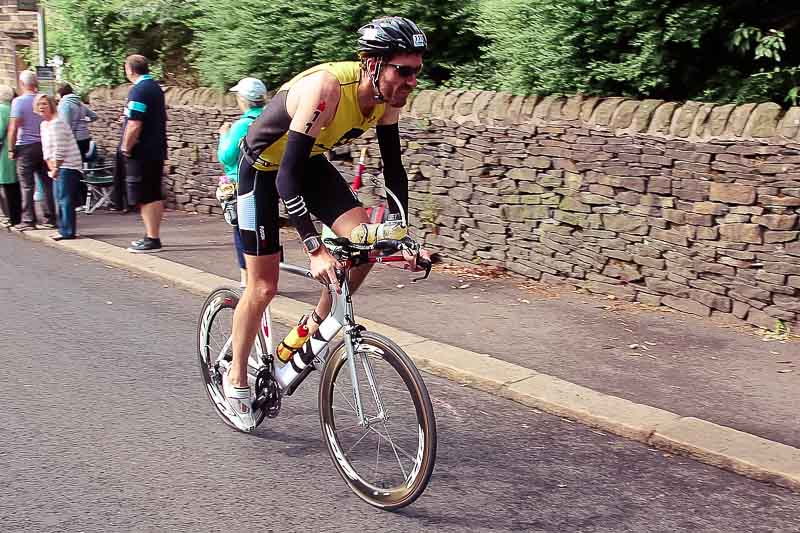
(228, 151)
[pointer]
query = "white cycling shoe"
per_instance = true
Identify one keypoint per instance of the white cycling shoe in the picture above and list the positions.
(240, 401)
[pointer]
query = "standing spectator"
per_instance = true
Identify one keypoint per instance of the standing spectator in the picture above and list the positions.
(250, 96)
(64, 162)
(77, 115)
(25, 145)
(10, 198)
(144, 146)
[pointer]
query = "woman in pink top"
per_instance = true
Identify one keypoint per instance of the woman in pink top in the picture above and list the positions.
(63, 159)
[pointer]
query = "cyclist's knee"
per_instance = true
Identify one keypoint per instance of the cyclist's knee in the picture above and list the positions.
(262, 291)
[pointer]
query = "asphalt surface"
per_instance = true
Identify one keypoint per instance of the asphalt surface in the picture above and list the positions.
(106, 428)
(687, 365)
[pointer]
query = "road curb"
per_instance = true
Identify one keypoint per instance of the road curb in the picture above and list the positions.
(720, 446)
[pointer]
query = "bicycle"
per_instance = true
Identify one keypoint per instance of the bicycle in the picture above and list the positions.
(355, 405)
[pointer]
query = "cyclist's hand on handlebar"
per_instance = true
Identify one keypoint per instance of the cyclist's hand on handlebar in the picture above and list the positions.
(414, 260)
(323, 268)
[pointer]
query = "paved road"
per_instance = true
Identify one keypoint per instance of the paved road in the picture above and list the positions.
(693, 367)
(105, 428)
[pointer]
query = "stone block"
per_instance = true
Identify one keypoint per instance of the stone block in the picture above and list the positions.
(686, 306)
(628, 198)
(771, 237)
(709, 299)
(787, 303)
(718, 119)
(793, 281)
(620, 291)
(571, 219)
(520, 213)
(669, 236)
(666, 287)
(763, 122)
(623, 223)
(707, 234)
(643, 115)
(594, 199)
(648, 299)
(709, 208)
(738, 120)
(789, 125)
(732, 193)
(782, 268)
(749, 233)
(777, 222)
(605, 110)
(740, 309)
(570, 203)
(675, 216)
(760, 319)
(623, 116)
(779, 201)
(697, 219)
(662, 118)
(649, 262)
(684, 119)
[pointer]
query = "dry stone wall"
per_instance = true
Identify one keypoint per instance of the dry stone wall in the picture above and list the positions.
(694, 206)
(17, 33)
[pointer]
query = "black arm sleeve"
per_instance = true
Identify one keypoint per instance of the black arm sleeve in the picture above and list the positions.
(394, 175)
(293, 162)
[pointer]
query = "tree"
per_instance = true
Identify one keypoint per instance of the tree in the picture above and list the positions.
(95, 36)
(275, 40)
(645, 48)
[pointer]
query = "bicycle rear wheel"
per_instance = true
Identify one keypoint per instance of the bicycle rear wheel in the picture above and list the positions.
(214, 330)
(389, 461)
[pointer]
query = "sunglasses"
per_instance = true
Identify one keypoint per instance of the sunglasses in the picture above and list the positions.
(406, 71)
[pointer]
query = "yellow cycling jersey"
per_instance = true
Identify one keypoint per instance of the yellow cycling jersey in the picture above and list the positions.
(267, 134)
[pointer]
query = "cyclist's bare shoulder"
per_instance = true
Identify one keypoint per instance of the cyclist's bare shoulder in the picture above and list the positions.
(312, 102)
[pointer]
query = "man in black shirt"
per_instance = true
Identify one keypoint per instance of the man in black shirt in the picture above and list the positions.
(144, 147)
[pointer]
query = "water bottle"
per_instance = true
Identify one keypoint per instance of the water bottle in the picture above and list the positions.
(293, 341)
(369, 233)
(290, 375)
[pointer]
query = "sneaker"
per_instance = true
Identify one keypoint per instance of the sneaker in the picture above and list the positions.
(46, 225)
(139, 242)
(146, 245)
(241, 403)
(25, 226)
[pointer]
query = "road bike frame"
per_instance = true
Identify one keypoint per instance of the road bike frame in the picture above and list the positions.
(314, 353)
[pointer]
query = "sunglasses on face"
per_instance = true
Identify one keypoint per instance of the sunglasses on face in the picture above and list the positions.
(406, 71)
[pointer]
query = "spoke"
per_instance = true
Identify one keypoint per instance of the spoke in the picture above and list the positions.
(357, 442)
(394, 449)
(377, 457)
(344, 397)
(394, 446)
(350, 427)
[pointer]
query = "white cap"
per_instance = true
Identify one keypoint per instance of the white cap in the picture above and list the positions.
(250, 89)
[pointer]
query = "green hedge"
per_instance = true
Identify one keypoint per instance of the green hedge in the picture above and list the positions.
(723, 51)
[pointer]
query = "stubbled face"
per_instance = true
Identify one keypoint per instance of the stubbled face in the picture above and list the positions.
(399, 77)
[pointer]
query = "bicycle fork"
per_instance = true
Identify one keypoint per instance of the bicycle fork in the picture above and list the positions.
(314, 354)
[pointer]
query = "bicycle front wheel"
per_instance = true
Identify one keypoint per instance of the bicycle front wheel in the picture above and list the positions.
(388, 459)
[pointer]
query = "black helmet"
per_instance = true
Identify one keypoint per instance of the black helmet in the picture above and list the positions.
(388, 35)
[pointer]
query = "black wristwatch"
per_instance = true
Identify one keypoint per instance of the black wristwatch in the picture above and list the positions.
(312, 243)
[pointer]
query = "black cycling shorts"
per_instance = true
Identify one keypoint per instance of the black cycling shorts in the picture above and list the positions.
(326, 193)
(143, 180)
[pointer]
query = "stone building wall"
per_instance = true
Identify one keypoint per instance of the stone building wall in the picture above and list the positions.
(689, 205)
(17, 31)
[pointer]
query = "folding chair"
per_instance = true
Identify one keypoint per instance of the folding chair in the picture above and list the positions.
(99, 180)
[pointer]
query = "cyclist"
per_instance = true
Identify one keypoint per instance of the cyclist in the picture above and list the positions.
(283, 157)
